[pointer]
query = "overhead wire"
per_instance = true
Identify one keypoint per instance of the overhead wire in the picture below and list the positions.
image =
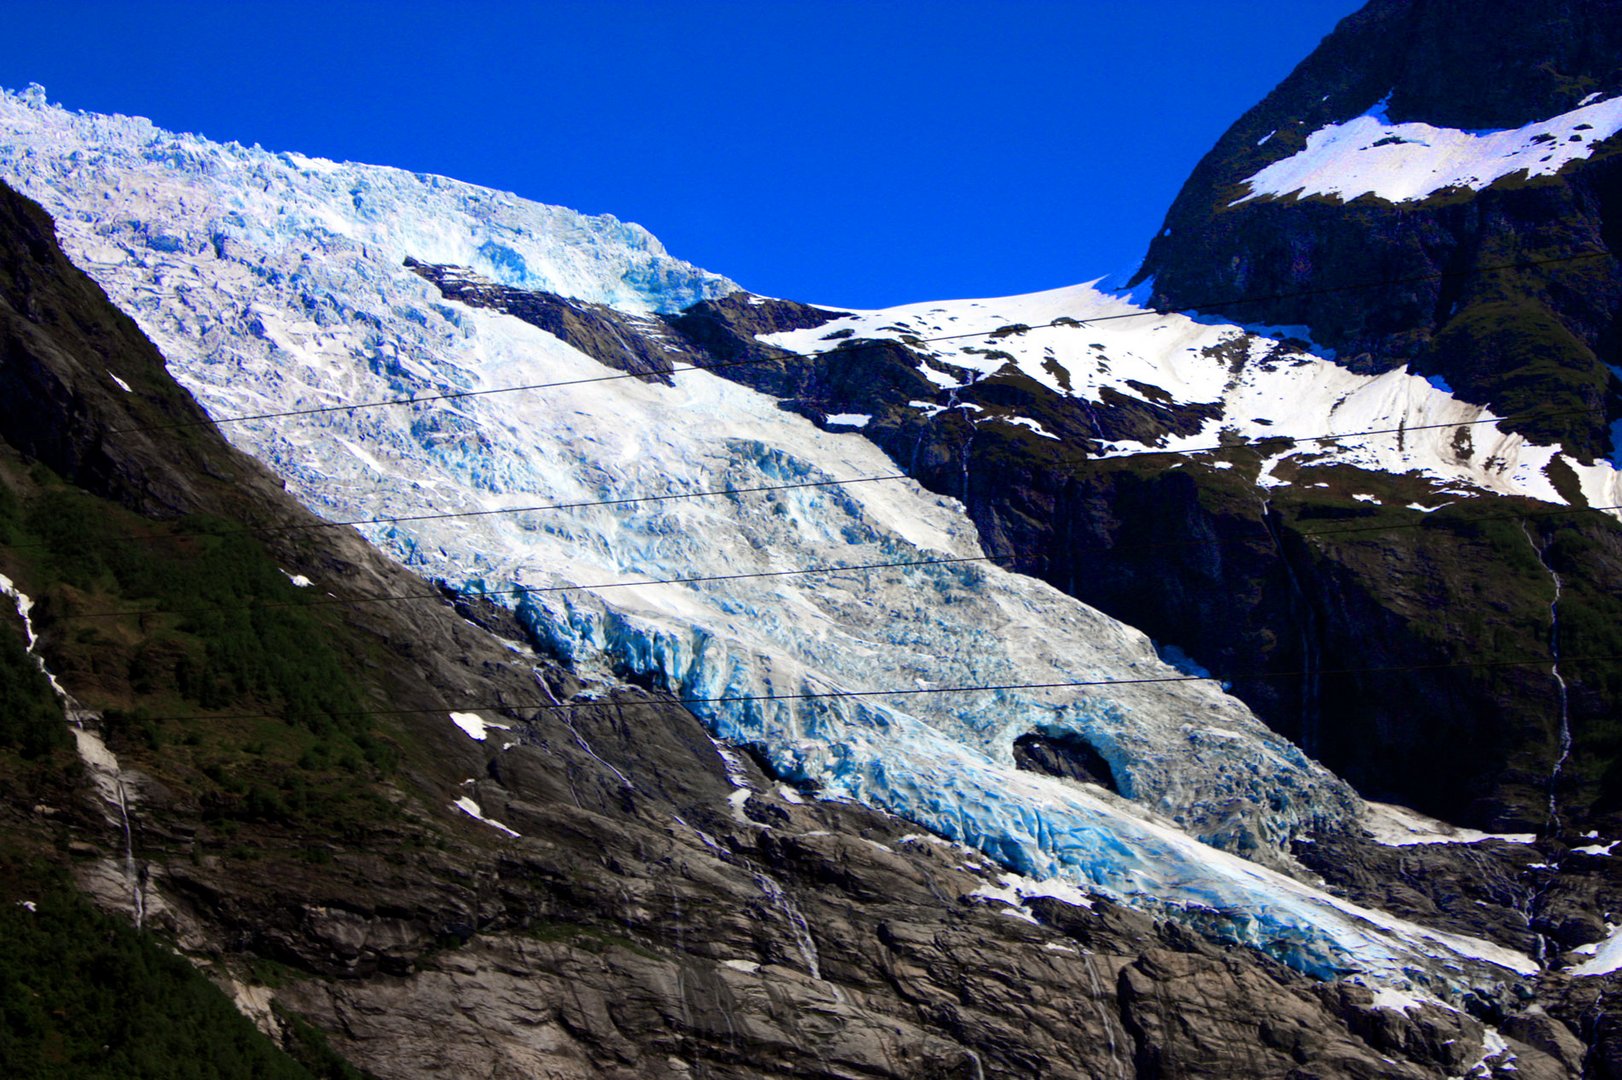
(1329, 290)
(675, 496)
(842, 349)
(527, 590)
(457, 395)
(450, 596)
(845, 349)
(906, 691)
(274, 530)
(1239, 442)
(893, 692)
(1227, 445)
(1454, 520)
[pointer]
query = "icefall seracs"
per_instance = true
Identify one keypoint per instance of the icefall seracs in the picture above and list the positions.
(275, 282)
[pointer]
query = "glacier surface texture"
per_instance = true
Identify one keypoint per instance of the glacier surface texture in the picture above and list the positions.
(274, 282)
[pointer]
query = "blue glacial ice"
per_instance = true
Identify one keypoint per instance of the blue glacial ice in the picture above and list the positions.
(274, 282)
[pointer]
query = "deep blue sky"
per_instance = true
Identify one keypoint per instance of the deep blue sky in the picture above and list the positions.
(863, 154)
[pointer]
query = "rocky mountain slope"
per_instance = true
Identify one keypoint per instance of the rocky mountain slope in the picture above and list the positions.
(796, 592)
(1157, 468)
(1482, 259)
(600, 890)
(956, 822)
(1452, 138)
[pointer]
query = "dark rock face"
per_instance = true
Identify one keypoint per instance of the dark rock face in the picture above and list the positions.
(1067, 756)
(1256, 586)
(621, 341)
(1509, 294)
(647, 921)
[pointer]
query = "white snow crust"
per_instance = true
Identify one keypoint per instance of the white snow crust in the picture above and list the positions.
(273, 282)
(473, 810)
(1398, 826)
(471, 723)
(1604, 957)
(1262, 390)
(1370, 155)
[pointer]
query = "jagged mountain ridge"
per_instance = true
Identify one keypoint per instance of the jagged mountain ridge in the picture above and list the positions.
(1540, 339)
(1536, 341)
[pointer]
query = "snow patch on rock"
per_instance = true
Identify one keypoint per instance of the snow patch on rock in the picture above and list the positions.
(476, 726)
(1398, 826)
(473, 810)
(1086, 343)
(1370, 155)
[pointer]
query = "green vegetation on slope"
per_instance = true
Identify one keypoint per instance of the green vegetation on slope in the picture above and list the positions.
(30, 718)
(85, 995)
(210, 625)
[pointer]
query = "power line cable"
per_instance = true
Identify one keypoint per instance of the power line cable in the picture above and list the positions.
(1012, 556)
(541, 706)
(842, 349)
(626, 501)
(1400, 430)
(527, 590)
(1330, 290)
(673, 496)
(1232, 444)
(457, 395)
(273, 530)
(1241, 443)
(1455, 520)
(908, 691)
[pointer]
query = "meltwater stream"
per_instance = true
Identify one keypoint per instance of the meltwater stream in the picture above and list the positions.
(1562, 694)
(100, 762)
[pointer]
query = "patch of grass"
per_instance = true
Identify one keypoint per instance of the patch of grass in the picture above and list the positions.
(31, 721)
(1514, 352)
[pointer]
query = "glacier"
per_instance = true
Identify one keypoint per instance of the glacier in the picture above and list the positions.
(252, 196)
(274, 282)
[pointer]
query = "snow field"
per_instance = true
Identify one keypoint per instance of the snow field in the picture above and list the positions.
(1370, 155)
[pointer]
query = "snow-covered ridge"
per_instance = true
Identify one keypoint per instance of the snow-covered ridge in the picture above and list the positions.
(241, 198)
(1262, 391)
(1370, 155)
(271, 286)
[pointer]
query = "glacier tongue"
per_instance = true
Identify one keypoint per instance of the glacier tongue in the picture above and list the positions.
(273, 282)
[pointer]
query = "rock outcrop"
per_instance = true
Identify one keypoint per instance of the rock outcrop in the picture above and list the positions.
(1508, 292)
